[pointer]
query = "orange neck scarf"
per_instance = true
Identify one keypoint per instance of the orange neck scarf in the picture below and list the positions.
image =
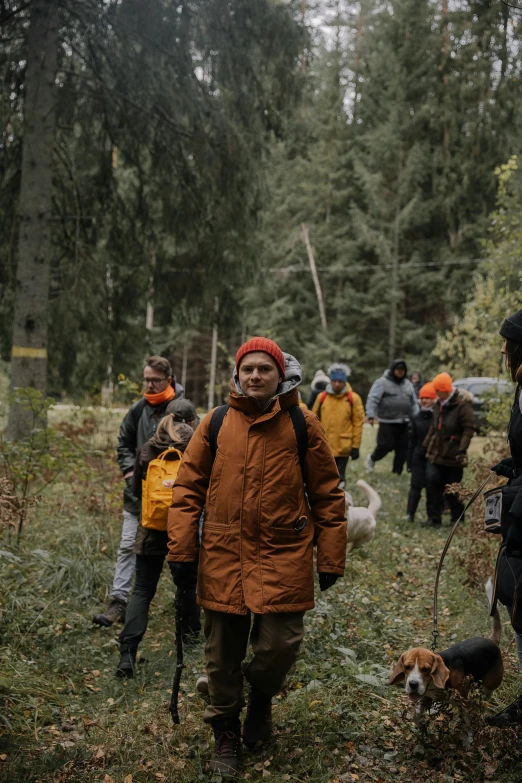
(164, 396)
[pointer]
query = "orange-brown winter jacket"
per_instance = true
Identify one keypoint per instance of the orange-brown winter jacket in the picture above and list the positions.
(252, 556)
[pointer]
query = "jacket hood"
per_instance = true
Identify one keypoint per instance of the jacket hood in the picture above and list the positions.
(399, 363)
(292, 379)
(464, 394)
(456, 396)
(320, 377)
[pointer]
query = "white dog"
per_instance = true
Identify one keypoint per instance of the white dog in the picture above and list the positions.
(361, 520)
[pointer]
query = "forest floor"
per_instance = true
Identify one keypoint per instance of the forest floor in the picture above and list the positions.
(67, 717)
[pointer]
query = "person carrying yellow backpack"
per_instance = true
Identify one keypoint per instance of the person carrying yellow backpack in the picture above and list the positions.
(341, 412)
(155, 472)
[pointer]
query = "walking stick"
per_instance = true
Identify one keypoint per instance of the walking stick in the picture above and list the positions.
(173, 706)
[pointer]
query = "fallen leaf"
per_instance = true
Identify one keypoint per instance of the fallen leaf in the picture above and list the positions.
(100, 754)
(127, 779)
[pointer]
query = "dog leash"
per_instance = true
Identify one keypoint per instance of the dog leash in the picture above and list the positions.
(443, 555)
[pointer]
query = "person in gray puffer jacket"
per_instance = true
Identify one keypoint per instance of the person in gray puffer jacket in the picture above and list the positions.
(392, 402)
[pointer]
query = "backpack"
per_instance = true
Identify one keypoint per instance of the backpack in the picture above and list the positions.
(157, 490)
(298, 423)
(323, 396)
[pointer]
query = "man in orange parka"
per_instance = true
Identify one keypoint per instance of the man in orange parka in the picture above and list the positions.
(255, 576)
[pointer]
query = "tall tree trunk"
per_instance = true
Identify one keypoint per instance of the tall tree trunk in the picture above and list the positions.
(315, 276)
(392, 337)
(29, 348)
(213, 358)
(107, 389)
(184, 365)
(149, 315)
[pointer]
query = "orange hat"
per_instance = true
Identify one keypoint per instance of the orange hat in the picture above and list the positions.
(442, 382)
(262, 344)
(428, 391)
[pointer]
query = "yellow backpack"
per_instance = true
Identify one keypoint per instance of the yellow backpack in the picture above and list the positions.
(157, 490)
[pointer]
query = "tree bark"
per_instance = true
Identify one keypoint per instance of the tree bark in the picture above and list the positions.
(315, 276)
(392, 337)
(184, 365)
(213, 358)
(29, 347)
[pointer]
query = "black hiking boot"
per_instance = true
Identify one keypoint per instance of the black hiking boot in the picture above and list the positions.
(114, 613)
(436, 523)
(127, 665)
(257, 728)
(225, 757)
(512, 715)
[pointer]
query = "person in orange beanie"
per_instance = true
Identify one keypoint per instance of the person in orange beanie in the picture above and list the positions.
(416, 461)
(446, 444)
(245, 468)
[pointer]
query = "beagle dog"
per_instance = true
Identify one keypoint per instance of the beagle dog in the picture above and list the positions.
(428, 676)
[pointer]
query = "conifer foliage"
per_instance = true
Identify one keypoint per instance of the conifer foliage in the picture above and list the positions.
(162, 114)
(410, 106)
(239, 162)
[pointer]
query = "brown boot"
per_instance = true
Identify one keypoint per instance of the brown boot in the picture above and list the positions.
(225, 758)
(114, 613)
(257, 728)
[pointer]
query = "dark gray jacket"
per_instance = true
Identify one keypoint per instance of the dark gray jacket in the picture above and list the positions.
(391, 401)
(138, 426)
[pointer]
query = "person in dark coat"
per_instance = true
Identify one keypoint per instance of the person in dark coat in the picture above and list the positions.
(509, 568)
(416, 461)
(416, 381)
(151, 550)
(392, 403)
(446, 443)
(136, 428)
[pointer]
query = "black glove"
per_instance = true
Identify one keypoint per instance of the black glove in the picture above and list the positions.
(354, 454)
(462, 458)
(327, 580)
(514, 539)
(504, 467)
(185, 575)
(128, 482)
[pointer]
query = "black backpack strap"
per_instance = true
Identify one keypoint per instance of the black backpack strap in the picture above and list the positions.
(137, 410)
(215, 425)
(301, 434)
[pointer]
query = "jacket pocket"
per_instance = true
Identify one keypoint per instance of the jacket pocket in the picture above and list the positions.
(293, 528)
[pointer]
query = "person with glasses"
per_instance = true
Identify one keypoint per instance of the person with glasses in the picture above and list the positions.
(138, 426)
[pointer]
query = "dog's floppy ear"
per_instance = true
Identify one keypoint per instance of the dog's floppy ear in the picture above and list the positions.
(439, 672)
(399, 674)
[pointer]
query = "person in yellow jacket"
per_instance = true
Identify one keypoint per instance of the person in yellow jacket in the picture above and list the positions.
(341, 413)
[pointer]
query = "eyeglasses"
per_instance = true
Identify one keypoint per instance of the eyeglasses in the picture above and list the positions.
(153, 381)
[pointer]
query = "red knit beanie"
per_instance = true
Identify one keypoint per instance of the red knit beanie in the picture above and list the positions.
(428, 392)
(262, 344)
(442, 382)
